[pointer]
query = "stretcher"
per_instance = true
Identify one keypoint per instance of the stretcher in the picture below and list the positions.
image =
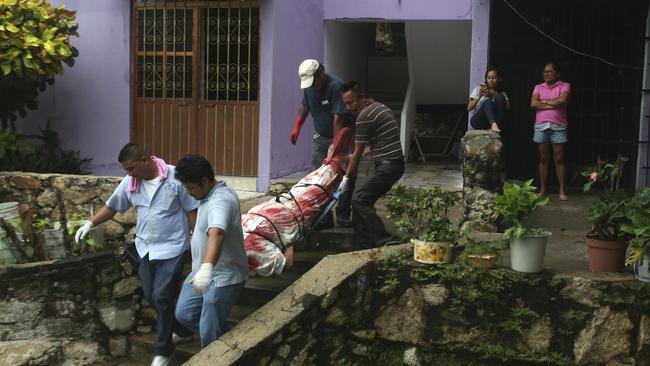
(279, 223)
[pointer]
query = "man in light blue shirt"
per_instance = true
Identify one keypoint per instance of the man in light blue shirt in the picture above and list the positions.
(219, 264)
(165, 212)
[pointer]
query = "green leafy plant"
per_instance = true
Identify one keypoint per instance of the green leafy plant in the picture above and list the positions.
(603, 172)
(473, 248)
(514, 205)
(422, 214)
(638, 213)
(607, 216)
(40, 153)
(14, 142)
(40, 224)
(34, 45)
(75, 221)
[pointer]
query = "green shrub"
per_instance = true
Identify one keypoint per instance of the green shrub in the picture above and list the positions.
(515, 204)
(40, 153)
(34, 45)
(422, 214)
(638, 213)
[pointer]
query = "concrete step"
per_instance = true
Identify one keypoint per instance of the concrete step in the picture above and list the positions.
(336, 239)
(142, 350)
(258, 291)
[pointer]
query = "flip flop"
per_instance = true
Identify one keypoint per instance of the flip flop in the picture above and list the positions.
(564, 197)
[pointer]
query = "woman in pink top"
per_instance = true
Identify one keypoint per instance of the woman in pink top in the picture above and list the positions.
(550, 99)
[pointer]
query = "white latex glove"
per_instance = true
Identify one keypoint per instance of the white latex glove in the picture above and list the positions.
(202, 278)
(83, 231)
(343, 186)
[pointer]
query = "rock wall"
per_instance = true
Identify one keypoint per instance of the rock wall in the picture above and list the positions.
(58, 196)
(483, 176)
(75, 311)
(395, 311)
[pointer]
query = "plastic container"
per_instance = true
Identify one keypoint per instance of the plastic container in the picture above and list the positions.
(527, 253)
(53, 243)
(642, 269)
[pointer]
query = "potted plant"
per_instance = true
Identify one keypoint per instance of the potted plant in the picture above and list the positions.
(638, 226)
(483, 255)
(422, 215)
(606, 242)
(527, 245)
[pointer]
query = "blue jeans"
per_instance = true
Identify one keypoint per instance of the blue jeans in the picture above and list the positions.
(207, 313)
(160, 280)
(319, 151)
(490, 111)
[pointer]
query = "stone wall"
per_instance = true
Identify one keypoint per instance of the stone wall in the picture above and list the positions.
(483, 176)
(58, 196)
(74, 311)
(354, 310)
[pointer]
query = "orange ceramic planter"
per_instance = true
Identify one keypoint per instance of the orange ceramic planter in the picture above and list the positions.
(606, 255)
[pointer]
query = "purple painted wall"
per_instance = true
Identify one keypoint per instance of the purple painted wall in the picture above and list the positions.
(480, 44)
(398, 9)
(292, 30)
(90, 103)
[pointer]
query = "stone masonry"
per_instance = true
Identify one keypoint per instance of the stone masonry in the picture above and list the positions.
(58, 196)
(483, 176)
(353, 309)
(75, 311)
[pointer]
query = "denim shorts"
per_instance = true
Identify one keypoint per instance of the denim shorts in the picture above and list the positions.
(549, 135)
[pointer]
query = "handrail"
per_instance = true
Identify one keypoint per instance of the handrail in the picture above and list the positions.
(407, 117)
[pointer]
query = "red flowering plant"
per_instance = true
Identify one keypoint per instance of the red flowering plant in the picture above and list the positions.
(605, 171)
(607, 215)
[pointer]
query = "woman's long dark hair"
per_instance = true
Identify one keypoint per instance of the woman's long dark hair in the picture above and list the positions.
(499, 77)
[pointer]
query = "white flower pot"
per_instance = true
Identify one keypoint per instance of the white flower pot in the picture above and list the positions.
(642, 269)
(527, 253)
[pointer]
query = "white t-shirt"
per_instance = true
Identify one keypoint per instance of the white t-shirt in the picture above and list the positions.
(476, 94)
(150, 186)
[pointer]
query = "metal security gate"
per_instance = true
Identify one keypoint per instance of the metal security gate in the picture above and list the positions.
(195, 81)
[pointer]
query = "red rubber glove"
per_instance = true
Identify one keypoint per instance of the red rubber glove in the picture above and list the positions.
(296, 129)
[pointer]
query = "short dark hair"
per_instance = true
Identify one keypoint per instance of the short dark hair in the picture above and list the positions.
(192, 168)
(556, 67)
(353, 87)
(131, 151)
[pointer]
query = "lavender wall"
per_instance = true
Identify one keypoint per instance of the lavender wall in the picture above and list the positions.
(90, 103)
(480, 43)
(398, 9)
(292, 30)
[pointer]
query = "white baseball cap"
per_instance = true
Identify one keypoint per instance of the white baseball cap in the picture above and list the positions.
(306, 72)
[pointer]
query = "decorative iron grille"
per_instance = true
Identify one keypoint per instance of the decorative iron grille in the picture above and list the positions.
(164, 53)
(229, 57)
(228, 45)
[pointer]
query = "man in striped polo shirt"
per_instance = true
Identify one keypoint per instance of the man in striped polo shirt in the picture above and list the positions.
(376, 127)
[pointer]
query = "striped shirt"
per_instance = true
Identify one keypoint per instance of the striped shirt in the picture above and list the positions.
(377, 127)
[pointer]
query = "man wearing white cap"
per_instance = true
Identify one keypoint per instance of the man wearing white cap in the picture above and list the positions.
(322, 98)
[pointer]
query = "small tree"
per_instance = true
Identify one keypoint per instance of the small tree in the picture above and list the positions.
(34, 44)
